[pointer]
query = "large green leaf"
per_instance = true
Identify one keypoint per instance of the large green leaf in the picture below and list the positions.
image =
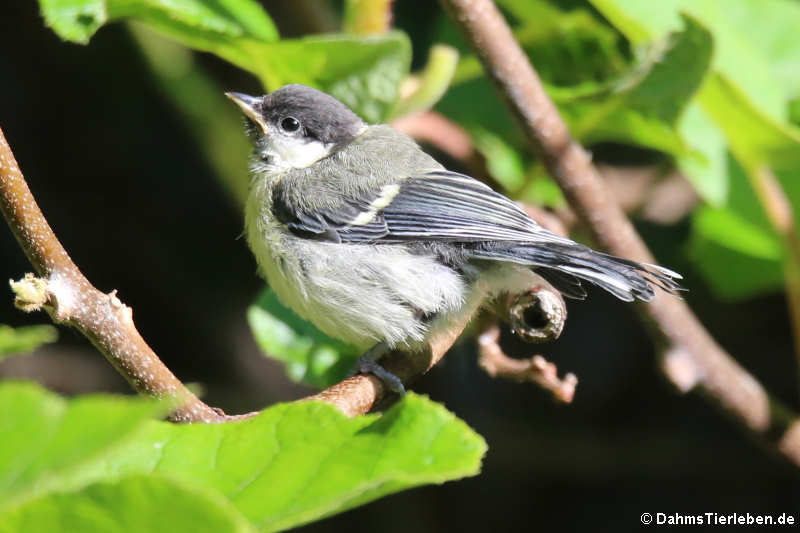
(773, 25)
(136, 504)
(229, 28)
(310, 356)
(754, 137)
(291, 464)
(364, 72)
(45, 440)
(24, 339)
(297, 462)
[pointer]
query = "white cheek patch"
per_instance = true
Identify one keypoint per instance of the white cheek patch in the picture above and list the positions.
(285, 153)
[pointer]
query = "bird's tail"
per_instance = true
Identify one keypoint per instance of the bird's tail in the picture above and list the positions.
(564, 265)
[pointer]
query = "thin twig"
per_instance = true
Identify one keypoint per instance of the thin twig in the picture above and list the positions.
(535, 369)
(671, 322)
(70, 299)
(780, 214)
(551, 314)
(366, 17)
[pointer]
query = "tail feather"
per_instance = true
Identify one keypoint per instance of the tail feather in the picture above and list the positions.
(565, 263)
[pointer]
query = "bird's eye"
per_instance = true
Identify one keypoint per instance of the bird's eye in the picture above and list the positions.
(290, 124)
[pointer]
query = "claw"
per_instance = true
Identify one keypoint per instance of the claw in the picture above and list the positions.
(368, 364)
(392, 382)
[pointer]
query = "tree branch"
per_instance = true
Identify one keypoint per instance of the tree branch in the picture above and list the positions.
(70, 299)
(535, 369)
(674, 327)
(550, 311)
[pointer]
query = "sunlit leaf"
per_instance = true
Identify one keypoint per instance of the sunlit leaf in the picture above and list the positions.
(228, 28)
(136, 504)
(291, 464)
(44, 440)
(364, 72)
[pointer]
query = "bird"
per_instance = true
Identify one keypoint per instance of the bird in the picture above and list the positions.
(372, 240)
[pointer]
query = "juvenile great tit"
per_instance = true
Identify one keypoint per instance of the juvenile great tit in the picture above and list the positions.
(373, 241)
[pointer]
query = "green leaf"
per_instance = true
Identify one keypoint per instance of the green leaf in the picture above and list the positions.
(728, 229)
(672, 72)
(362, 72)
(45, 440)
(310, 355)
(74, 20)
(754, 137)
(707, 167)
(772, 26)
(291, 464)
(297, 462)
(731, 274)
(129, 505)
(228, 28)
(24, 339)
(756, 52)
(735, 247)
(611, 120)
(503, 162)
(745, 105)
(459, 104)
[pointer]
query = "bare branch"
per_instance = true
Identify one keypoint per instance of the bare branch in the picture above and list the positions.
(535, 369)
(546, 305)
(671, 322)
(70, 299)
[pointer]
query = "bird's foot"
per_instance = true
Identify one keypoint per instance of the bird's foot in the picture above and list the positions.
(392, 382)
(368, 364)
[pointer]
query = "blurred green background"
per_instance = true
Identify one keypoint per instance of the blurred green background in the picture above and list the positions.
(138, 163)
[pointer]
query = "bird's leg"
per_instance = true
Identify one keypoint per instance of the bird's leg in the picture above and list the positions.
(368, 364)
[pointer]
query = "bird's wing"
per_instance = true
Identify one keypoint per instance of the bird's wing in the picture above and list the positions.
(449, 207)
(437, 206)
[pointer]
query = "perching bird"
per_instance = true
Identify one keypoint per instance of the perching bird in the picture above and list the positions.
(362, 233)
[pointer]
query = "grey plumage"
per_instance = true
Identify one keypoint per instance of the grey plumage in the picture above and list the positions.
(372, 240)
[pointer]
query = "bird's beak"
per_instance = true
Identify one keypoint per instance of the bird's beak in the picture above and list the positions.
(250, 106)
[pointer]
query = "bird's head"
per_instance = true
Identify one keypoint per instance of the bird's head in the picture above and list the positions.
(296, 126)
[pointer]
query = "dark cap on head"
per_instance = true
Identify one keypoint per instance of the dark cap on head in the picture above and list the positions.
(321, 116)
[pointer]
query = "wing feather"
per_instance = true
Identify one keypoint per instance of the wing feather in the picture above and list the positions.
(445, 206)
